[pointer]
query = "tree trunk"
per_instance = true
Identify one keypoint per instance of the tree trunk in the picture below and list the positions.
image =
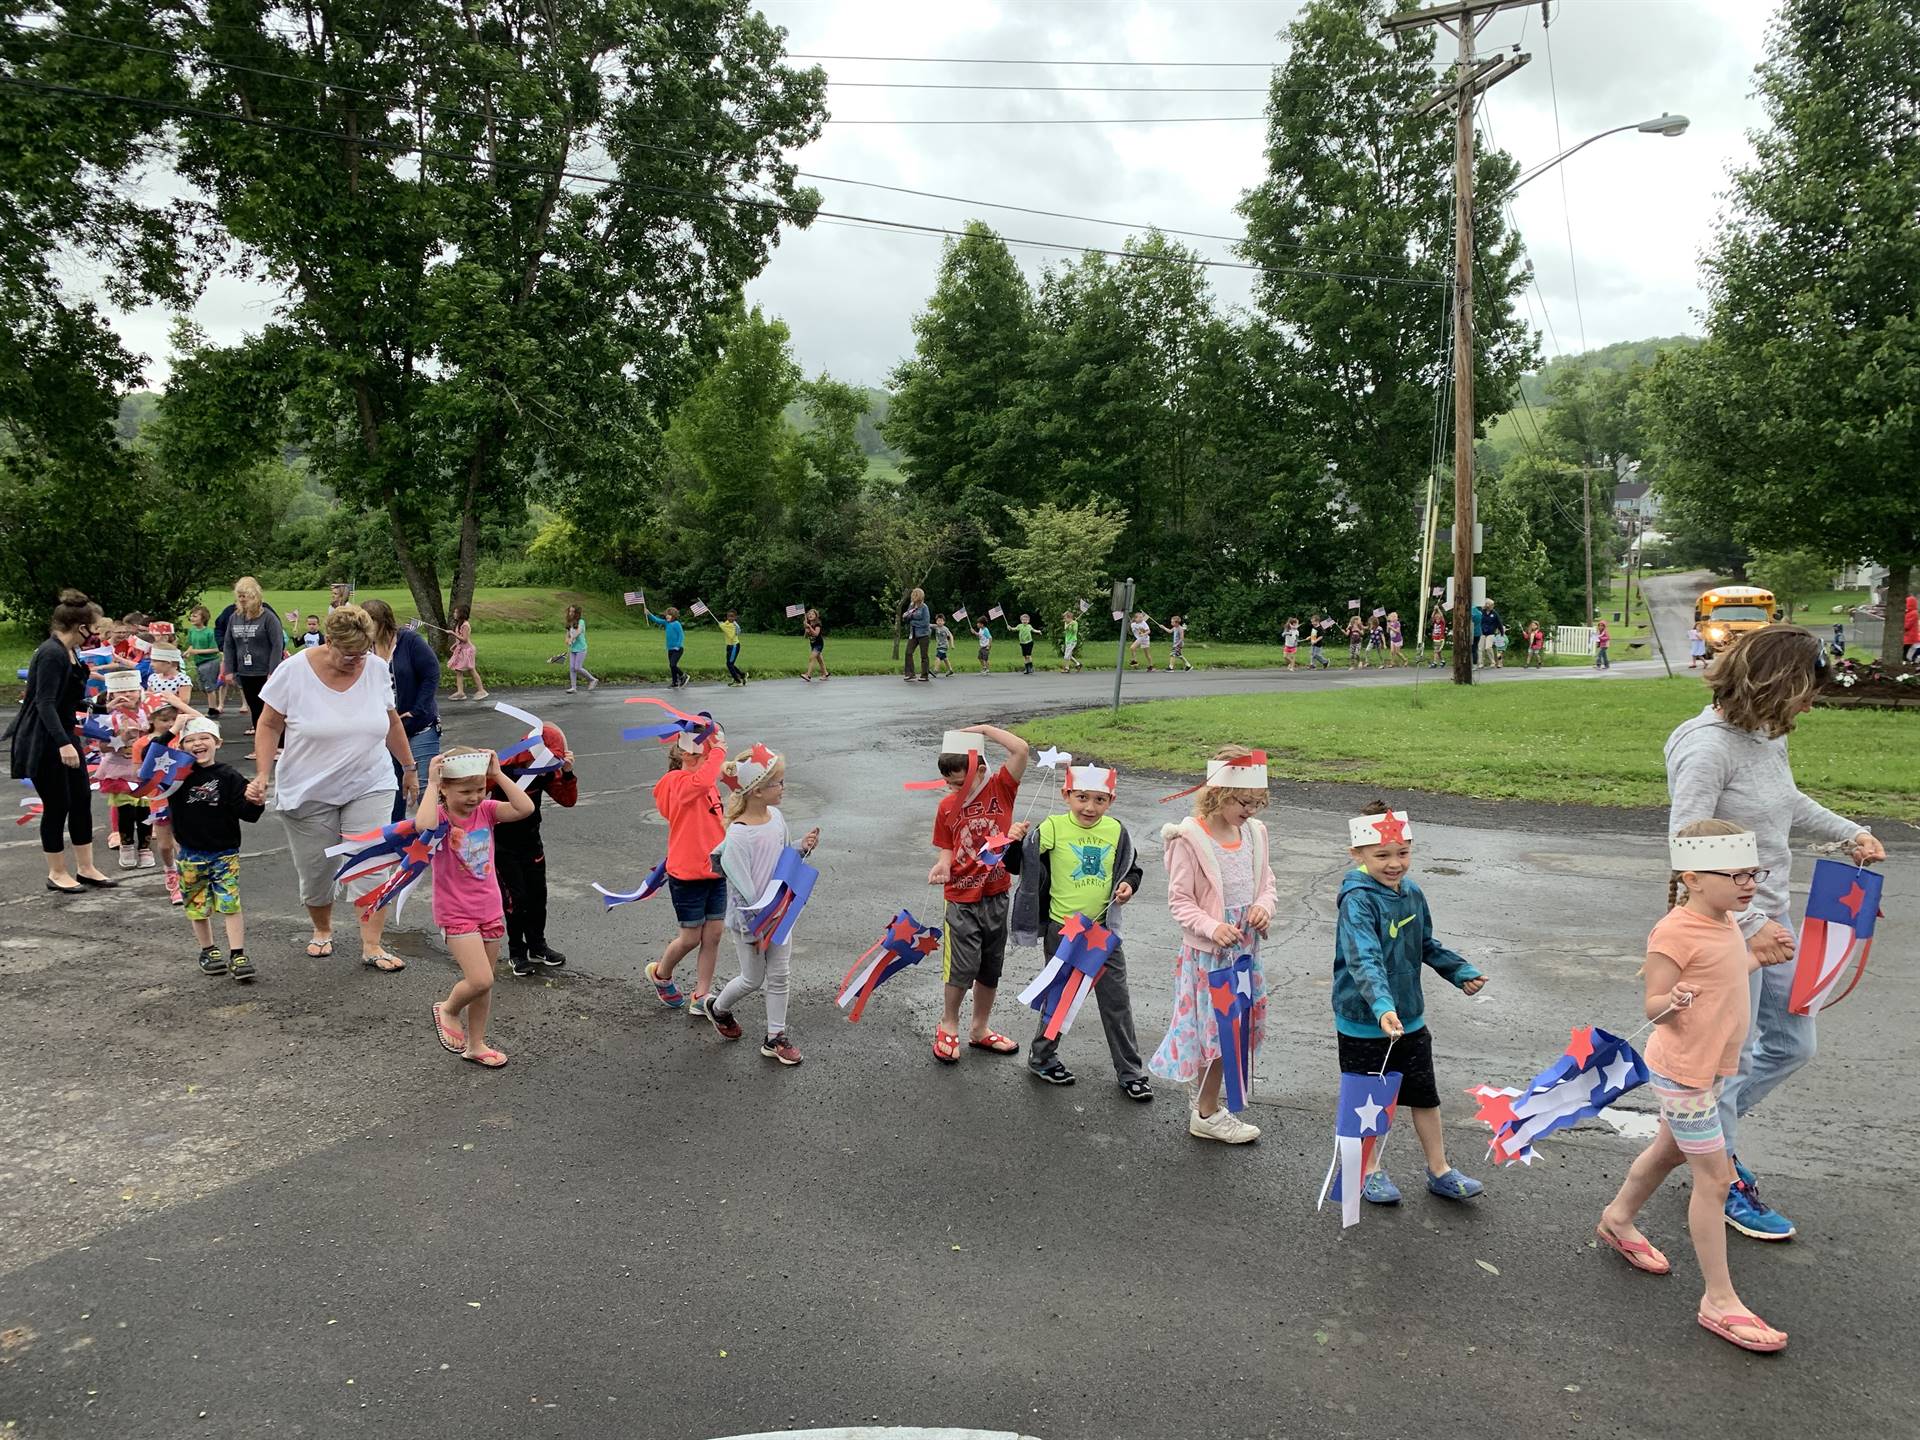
(422, 577)
(466, 560)
(1899, 586)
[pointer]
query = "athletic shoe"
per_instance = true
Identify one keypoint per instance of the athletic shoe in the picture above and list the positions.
(593, 684)
(521, 965)
(212, 962)
(147, 862)
(1379, 1189)
(550, 958)
(129, 857)
(1746, 1177)
(1223, 1125)
(1453, 1185)
(1753, 1217)
(174, 895)
(1054, 1073)
(697, 1007)
(724, 1025)
(240, 967)
(779, 1047)
(668, 993)
(1140, 1090)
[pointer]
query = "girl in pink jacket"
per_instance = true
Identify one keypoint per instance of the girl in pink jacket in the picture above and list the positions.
(1220, 890)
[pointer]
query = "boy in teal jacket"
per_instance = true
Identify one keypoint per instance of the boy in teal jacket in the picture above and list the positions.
(1385, 936)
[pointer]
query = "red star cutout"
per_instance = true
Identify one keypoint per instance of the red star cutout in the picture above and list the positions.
(1853, 899)
(1391, 829)
(901, 930)
(1258, 757)
(1098, 936)
(419, 852)
(1074, 926)
(927, 944)
(760, 755)
(1495, 1109)
(1580, 1045)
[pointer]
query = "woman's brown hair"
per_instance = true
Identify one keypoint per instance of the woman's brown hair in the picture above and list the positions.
(1676, 890)
(72, 612)
(1763, 681)
(386, 625)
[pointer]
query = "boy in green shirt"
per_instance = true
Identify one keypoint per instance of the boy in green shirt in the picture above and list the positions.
(1084, 862)
(1069, 642)
(1026, 630)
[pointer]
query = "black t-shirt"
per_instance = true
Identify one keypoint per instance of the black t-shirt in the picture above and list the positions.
(207, 809)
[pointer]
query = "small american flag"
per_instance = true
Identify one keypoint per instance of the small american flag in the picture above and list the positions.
(1353, 604)
(994, 612)
(636, 597)
(700, 607)
(959, 612)
(794, 612)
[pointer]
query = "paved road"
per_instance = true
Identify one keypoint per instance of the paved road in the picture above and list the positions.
(283, 1210)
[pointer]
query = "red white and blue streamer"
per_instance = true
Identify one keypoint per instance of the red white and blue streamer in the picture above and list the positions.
(771, 918)
(1843, 901)
(656, 878)
(401, 849)
(1596, 1070)
(904, 943)
(1365, 1116)
(1231, 989)
(1062, 986)
(678, 723)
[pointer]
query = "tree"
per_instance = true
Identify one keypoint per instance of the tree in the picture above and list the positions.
(1797, 416)
(905, 541)
(509, 234)
(1792, 575)
(1354, 227)
(1060, 558)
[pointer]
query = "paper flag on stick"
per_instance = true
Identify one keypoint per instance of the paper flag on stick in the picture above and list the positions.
(771, 918)
(994, 612)
(1366, 1114)
(905, 942)
(1231, 989)
(163, 770)
(1062, 986)
(1842, 903)
(31, 805)
(160, 627)
(959, 612)
(1378, 612)
(1353, 604)
(656, 877)
(794, 612)
(1085, 605)
(636, 597)
(1119, 614)
(1596, 1070)
(402, 847)
(700, 608)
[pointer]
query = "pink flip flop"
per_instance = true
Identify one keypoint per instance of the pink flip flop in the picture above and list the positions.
(1723, 1327)
(492, 1059)
(452, 1037)
(1637, 1253)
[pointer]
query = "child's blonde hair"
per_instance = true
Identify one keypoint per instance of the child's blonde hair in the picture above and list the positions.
(737, 800)
(1676, 889)
(1209, 798)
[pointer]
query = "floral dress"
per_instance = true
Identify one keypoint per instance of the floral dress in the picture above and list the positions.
(1193, 1040)
(461, 657)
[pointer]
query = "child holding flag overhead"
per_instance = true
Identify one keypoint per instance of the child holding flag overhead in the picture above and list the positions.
(687, 800)
(1081, 862)
(1696, 982)
(755, 840)
(1221, 892)
(973, 951)
(206, 812)
(676, 638)
(1383, 939)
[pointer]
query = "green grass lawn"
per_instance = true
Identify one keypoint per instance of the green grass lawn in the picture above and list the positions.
(1595, 742)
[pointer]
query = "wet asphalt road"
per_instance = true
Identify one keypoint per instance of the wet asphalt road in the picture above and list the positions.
(284, 1210)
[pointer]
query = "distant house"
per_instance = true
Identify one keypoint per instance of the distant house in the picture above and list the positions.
(1636, 499)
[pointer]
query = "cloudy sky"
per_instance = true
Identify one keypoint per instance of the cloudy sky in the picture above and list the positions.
(1640, 207)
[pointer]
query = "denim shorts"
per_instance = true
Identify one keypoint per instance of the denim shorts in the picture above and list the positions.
(697, 901)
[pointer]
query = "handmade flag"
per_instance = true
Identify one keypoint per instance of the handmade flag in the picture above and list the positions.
(794, 612)
(905, 942)
(959, 612)
(771, 918)
(1231, 989)
(1366, 1114)
(1060, 989)
(1085, 605)
(160, 627)
(994, 612)
(700, 607)
(402, 848)
(699, 726)
(636, 597)
(541, 750)
(656, 877)
(1596, 1070)
(163, 770)
(1842, 903)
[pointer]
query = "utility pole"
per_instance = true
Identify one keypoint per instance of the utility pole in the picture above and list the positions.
(1463, 19)
(1586, 530)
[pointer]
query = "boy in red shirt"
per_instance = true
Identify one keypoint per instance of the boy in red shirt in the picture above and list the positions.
(973, 946)
(688, 801)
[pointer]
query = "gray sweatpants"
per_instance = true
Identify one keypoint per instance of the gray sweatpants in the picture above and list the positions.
(769, 970)
(1116, 1017)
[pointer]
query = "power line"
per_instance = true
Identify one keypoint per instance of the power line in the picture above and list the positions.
(1104, 64)
(1566, 211)
(1081, 120)
(434, 153)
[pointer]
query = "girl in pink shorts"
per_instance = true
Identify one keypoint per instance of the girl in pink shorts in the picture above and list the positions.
(466, 888)
(1697, 998)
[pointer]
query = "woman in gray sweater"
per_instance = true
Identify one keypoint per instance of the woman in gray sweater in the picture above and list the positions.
(255, 643)
(1729, 762)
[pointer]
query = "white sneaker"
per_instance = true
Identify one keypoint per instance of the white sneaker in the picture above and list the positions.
(1223, 1125)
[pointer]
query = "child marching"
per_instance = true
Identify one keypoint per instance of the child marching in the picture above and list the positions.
(942, 645)
(688, 801)
(985, 638)
(1383, 939)
(816, 633)
(1290, 641)
(1177, 630)
(462, 659)
(1024, 633)
(205, 813)
(1220, 890)
(756, 838)
(1142, 641)
(730, 636)
(1696, 994)
(676, 637)
(1070, 642)
(577, 652)
(522, 860)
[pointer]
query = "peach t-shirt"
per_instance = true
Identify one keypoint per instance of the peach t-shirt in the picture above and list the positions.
(1697, 1045)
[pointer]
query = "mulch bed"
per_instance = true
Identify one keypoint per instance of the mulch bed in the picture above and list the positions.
(1853, 685)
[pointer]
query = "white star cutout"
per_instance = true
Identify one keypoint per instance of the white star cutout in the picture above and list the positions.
(1369, 1114)
(1052, 759)
(1624, 1066)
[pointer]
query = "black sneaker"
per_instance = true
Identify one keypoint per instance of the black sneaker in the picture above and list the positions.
(240, 967)
(549, 957)
(1053, 1072)
(212, 962)
(522, 964)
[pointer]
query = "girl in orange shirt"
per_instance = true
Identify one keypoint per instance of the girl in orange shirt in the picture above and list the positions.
(688, 801)
(1696, 996)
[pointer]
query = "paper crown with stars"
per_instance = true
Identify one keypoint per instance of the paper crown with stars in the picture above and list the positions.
(469, 766)
(1389, 829)
(1714, 852)
(751, 767)
(1097, 778)
(1249, 773)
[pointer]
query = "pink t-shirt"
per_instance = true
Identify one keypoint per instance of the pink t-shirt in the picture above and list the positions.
(466, 887)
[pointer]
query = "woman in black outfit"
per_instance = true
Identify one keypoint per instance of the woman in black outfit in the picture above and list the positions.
(46, 750)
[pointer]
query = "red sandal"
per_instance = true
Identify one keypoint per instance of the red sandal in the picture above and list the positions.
(1640, 1254)
(1723, 1327)
(452, 1037)
(996, 1042)
(946, 1046)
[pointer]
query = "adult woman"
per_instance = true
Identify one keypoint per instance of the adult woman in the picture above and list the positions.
(416, 683)
(203, 655)
(333, 703)
(46, 751)
(919, 623)
(1729, 762)
(255, 644)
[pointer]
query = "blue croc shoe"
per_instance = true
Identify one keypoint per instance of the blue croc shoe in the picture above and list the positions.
(1753, 1217)
(1453, 1185)
(1379, 1189)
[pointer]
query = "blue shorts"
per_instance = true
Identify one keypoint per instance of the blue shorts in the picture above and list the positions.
(697, 901)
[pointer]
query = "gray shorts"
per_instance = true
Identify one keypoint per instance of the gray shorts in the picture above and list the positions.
(315, 825)
(973, 948)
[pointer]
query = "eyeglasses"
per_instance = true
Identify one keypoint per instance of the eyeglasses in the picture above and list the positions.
(1739, 877)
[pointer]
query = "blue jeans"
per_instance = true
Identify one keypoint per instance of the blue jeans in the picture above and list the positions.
(1778, 1043)
(424, 746)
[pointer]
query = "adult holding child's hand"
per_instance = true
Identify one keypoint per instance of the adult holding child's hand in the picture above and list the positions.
(333, 704)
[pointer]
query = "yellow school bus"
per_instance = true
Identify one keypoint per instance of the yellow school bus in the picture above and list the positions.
(1724, 614)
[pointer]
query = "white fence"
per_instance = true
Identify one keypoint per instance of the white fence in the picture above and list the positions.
(1573, 639)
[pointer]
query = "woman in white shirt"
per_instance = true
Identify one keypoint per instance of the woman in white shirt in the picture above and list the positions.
(333, 705)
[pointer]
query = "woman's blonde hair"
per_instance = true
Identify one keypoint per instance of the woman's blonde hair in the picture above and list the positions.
(246, 595)
(737, 800)
(1209, 798)
(347, 624)
(1676, 888)
(1764, 679)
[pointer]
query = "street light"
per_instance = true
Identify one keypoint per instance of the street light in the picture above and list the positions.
(1668, 125)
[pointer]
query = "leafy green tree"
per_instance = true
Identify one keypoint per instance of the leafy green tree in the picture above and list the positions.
(1797, 416)
(1060, 558)
(509, 232)
(1359, 186)
(1792, 575)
